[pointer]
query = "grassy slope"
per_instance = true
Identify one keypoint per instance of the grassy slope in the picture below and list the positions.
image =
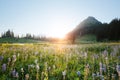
(86, 39)
(13, 40)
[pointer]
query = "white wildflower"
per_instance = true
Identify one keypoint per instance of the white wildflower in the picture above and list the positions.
(27, 77)
(54, 67)
(9, 59)
(64, 73)
(93, 75)
(18, 55)
(117, 67)
(22, 70)
(14, 58)
(36, 61)
(37, 67)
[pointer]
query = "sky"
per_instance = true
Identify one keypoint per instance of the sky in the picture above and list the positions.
(53, 18)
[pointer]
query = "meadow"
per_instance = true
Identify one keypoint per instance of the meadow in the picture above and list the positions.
(46, 61)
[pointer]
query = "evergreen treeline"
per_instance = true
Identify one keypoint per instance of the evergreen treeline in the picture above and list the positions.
(109, 31)
(10, 34)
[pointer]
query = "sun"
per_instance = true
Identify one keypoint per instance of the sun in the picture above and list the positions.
(58, 33)
(59, 25)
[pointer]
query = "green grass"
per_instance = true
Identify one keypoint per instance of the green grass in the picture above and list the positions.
(15, 40)
(86, 39)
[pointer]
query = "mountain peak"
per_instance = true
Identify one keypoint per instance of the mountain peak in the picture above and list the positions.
(91, 20)
(88, 22)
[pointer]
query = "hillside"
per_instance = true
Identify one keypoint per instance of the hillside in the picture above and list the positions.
(87, 26)
(102, 31)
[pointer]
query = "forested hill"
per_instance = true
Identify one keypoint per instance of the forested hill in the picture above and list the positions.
(102, 31)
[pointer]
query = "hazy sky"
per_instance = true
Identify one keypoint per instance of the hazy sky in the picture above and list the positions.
(53, 17)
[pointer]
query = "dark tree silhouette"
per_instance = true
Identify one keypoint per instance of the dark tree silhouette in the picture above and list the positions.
(8, 34)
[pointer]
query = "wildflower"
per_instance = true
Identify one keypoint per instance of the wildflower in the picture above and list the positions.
(53, 66)
(46, 63)
(1, 58)
(93, 75)
(40, 56)
(36, 53)
(9, 59)
(113, 76)
(37, 67)
(49, 68)
(98, 74)
(87, 66)
(119, 73)
(42, 75)
(105, 53)
(100, 64)
(32, 66)
(102, 77)
(26, 57)
(115, 49)
(102, 68)
(16, 75)
(113, 53)
(85, 55)
(78, 73)
(106, 59)
(4, 67)
(14, 58)
(64, 73)
(29, 66)
(22, 70)
(13, 73)
(36, 61)
(95, 56)
(18, 55)
(86, 71)
(27, 77)
(117, 67)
